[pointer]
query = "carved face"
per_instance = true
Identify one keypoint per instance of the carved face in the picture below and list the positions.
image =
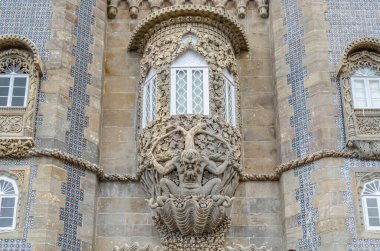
(191, 162)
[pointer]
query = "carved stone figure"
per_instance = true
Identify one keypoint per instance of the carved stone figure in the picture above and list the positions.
(190, 165)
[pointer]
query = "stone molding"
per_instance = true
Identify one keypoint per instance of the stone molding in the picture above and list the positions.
(169, 16)
(15, 41)
(361, 125)
(155, 6)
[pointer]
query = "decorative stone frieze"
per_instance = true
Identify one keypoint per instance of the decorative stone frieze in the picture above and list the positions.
(15, 148)
(155, 6)
(361, 125)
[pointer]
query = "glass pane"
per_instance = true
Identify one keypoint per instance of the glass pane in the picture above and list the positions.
(19, 91)
(21, 82)
(371, 202)
(5, 81)
(6, 222)
(373, 212)
(230, 103)
(374, 222)
(376, 103)
(225, 90)
(147, 103)
(198, 102)
(6, 212)
(181, 91)
(360, 103)
(8, 202)
(4, 91)
(3, 101)
(18, 101)
(153, 90)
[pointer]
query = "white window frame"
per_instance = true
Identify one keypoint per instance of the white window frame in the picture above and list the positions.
(15, 195)
(364, 198)
(367, 92)
(11, 86)
(228, 81)
(151, 81)
(189, 61)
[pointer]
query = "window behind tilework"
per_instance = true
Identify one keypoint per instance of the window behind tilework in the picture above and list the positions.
(189, 85)
(8, 203)
(229, 95)
(366, 88)
(371, 204)
(13, 87)
(149, 98)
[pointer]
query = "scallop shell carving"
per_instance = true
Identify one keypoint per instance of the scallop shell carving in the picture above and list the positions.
(192, 215)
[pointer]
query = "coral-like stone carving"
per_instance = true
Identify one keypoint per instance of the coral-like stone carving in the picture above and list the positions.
(155, 6)
(251, 247)
(15, 148)
(361, 125)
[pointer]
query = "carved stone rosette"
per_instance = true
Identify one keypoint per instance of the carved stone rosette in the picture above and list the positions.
(189, 164)
(362, 126)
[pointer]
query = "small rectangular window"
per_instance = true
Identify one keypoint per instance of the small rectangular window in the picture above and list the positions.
(190, 91)
(13, 90)
(149, 103)
(372, 211)
(229, 94)
(366, 92)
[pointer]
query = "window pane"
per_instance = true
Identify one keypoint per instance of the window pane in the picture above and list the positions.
(21, 82)
(181, 91)
(3, 101)
(17, 101)
(19, 91)
(6, 212)
(198, 103)
(374, 222)
(373, 212)
(4, 91)
(5, 81)
(147, 103)
(8, 202)
(230, 103)
(153, 101)
(371, 202)
(6, 222)
(360, 103)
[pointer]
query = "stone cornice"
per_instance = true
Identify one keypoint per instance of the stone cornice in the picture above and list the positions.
(189, 13)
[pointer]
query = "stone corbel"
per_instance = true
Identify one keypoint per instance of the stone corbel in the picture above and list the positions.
(263, 8)
(220, 4)
(242, 8)
(112, 8)
(134, 8)
(155, 4)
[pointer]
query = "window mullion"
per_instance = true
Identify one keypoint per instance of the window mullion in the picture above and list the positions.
(367, 93)
(189, 90)
(10, 91)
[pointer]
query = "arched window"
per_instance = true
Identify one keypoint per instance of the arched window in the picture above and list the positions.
(149, 98)
(371, 204)
(229, 97)
(189, 85)
(8, 203)
(366, 88)
(13, 86)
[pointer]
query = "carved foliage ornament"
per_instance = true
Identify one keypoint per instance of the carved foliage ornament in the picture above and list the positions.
(19, 121)
(361, 125)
